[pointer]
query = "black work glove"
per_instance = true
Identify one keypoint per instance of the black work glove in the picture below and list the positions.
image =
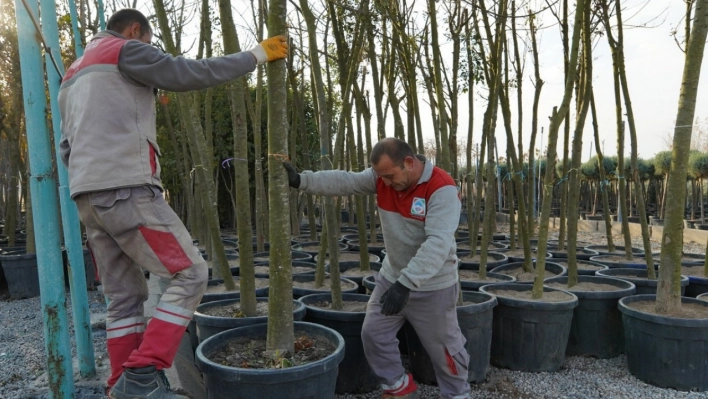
(394, 299)
(293, 176)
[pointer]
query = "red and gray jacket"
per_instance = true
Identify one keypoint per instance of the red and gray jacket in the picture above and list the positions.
(418, 225)
(107, 106)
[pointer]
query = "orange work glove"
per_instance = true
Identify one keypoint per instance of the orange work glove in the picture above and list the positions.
(271, 49)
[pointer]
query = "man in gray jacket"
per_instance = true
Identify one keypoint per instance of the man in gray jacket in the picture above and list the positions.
(419, 208)
(109, 145)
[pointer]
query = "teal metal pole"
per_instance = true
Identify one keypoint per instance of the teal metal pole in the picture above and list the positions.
(44, 206)
(101, 15)
(69, 213)
(78, 46)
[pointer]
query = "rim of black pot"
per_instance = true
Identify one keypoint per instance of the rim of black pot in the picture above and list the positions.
(659, 319)
(521, 264)
(483, 301)
(210, 320)
(626, 287)
(267, 376)
(529, 304)
(334, 314)
(635, 272)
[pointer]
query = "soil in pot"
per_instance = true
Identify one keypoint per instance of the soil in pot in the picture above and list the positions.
(689, 310)
(310, 285)
(639, 278)
(351, 256)
(219, 288)
(516, 270)
(234, 310)
(252, 354)
(471, 275)
(295, 268)
(347, 306)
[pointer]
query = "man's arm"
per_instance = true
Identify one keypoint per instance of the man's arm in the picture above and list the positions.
(150, 66)
(441, 221)
(338, 182)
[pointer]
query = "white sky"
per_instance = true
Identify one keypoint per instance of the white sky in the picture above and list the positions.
(654, 65)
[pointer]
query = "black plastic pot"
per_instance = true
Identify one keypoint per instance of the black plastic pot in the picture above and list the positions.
(611, 262)
(580, 263)
(534, 256)
(703, 297)
(295, 255)
(529, 335)
(597, 323)
(355, 375)
(344, 266)
(355, 236)
(697, 285)
(21, 274)
(372, 257)
(348, 286)
(580, 254)
(638, 277)
(619, 250)
(309, 265)
(313, 380)
(475, 321)
(473, 285)
(211, 297)
(89, 269)
(374, 249)
(550, 267)
(369, 283)
(494, 259)
(303, 247)
(208, 326)
(668, 352)
(492, 246)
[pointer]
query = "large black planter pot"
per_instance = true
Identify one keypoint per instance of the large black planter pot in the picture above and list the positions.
(597, 323)
(89, 269)
(344, 266)
(264, 257)
(492, 278)
(355, 375)
(475, 321)
(494, 259)
(309, 381)
(529, 335)
(21, 274)
(619, 250)
(369, 283)
(589, 271)
(580, 254)
(611, 262)
(534, 256)
(665, 351)
(211, 297)
(697, 284)
(208, 326)
(373, 249)
(638, 277)
(550, 267)
(310, 247)
(303, 268)
(348, 286)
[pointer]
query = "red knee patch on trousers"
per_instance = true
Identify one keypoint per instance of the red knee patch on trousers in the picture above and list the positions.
(450, 363)
(168, 250)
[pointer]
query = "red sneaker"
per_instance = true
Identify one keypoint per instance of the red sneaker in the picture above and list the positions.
(407, 389)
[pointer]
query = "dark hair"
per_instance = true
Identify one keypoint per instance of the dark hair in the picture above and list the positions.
(396, 149)
(122, 19)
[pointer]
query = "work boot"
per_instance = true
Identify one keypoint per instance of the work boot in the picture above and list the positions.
(143, 383)
(404, 389)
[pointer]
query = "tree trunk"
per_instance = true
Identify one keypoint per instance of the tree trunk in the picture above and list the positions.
(557, 117)
(669, 289)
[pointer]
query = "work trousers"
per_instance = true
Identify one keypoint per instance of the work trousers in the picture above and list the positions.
(433, 315)
(128, 230)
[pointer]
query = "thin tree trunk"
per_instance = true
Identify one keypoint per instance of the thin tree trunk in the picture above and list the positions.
(669, 289)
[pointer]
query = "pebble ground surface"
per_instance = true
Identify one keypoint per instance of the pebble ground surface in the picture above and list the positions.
(23, 360)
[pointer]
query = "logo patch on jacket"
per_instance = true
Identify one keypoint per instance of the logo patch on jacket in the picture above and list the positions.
(418, 206)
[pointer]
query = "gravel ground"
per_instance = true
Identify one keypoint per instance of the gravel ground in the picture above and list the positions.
(22, 360)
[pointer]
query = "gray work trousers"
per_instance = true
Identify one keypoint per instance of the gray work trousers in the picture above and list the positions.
(433, 315)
